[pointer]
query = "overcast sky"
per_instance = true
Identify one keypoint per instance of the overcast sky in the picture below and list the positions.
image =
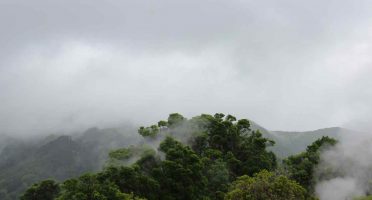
(288, 65)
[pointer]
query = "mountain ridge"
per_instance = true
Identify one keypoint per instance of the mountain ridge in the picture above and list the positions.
(62, 156)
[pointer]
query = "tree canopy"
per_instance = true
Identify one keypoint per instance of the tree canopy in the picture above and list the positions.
(301, 166)
(206, 157)
(265, 185)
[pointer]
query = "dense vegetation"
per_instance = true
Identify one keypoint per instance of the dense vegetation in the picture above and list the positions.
(301, 166)
(24, 162)
(206, 157)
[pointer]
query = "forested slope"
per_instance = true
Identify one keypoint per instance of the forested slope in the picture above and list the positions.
(61, 157)
(205, 157)
(23, 163)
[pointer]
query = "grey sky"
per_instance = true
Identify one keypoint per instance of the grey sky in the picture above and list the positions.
(288, 65)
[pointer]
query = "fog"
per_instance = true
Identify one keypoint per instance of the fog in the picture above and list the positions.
(288, 65)
(347, 167)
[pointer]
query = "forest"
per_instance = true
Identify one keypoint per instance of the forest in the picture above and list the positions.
(206, 157)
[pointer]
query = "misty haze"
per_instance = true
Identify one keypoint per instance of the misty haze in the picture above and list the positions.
(185, 100)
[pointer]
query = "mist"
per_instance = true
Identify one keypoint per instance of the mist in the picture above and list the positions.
(78, 78)
(346, 169)
(288, 65)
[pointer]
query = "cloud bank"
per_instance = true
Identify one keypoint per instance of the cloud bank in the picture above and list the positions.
(287, 65)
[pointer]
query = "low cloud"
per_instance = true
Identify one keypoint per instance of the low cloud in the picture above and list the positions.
(288, 66)
(345, 170)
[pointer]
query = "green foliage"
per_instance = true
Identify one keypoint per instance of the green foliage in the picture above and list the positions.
(218, 176)
(151, 131)
(301, 166)
(162, 123)
(323, 142)
(131, 180)
(25, 162)
(121, 154)
(45, 190)
(265, 186)
(125, 156)
(175, 119)
(181, 173)
(88, 187)
(220, 148)
(207, 157)
(245, 151)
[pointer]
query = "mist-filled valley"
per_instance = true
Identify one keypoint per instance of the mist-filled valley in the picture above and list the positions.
(185, 100)
(45, 166)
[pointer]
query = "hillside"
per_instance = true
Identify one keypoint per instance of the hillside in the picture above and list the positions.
(62, 157)
(289, 143)
(207, 157)
(57, 157)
